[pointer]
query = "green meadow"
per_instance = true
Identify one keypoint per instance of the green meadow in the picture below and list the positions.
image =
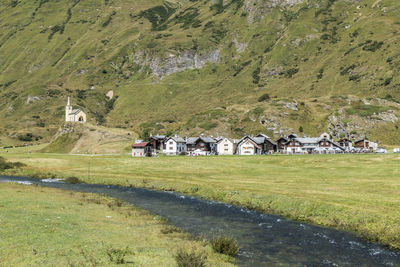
(51, 227)
(357, 193)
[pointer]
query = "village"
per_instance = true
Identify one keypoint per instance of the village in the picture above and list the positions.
(250, 145)
(260, 144)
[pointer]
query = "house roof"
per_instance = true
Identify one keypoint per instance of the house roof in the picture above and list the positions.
(141, 144)
(284, 138)
(158, 137)
(308, 140)
(233, 141)
(207, 139)
(263, 135)
(176, 139)
(257, 141)
(75, 111)
(193, 140)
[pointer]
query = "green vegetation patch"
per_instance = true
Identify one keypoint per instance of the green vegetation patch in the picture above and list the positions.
(50, 227)
(364, 110)
(158, 15)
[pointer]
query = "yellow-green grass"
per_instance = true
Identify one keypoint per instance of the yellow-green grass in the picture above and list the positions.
(353, 192)
(52, 227)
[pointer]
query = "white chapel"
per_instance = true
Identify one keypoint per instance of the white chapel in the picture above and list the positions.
(74, 115)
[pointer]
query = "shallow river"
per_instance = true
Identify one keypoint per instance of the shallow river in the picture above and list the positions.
(265, 240)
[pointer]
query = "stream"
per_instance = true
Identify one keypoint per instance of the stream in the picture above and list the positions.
(265, 240)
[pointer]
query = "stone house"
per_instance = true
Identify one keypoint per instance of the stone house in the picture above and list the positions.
(142, 149)
(226, 146)
(174, 146)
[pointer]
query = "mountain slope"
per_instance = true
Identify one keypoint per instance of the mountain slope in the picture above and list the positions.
(227, 67)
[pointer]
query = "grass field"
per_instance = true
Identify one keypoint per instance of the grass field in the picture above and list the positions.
(353, 192)
(51, 227)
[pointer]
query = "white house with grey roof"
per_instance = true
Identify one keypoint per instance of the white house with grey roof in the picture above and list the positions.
(74, 115)
(174, 146)
(227, 146)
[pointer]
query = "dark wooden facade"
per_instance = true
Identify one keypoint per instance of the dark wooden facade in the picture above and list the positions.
(157, 142)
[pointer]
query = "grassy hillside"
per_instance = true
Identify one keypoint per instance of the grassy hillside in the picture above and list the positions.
(187, 66)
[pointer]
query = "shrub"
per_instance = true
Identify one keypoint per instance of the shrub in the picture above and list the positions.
(225, 245)
(117, 255)
(4, 165)
(73, 180)
(170, 230)
(290, 72)
(28, 137)
(256, 75)
(387, 81)
(372, 46)
(264, 97)
(190, 259)
(301, 129)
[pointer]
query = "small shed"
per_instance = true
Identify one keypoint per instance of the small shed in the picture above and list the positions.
(142, 149)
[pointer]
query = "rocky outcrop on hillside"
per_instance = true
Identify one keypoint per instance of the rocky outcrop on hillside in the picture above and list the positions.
(258, 9)
(181, 62)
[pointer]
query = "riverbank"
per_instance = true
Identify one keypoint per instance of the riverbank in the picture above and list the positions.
(52, 227)
(357, 193)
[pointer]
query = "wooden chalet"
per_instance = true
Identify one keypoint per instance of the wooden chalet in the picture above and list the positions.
(365, 145)
(258, 145)
(281, 142)
(157, 142)
(201, 145)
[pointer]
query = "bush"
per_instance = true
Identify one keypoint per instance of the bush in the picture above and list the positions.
(170, 230)
(225, 245)
(387, 81)
(117, 255)
(28, 137)
(73, 180)
(264, 97)
(4, 165)
(372, 46)
(290, 72)
(190, 259)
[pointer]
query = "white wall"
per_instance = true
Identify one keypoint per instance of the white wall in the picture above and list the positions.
(225, 147)
(246, 148)
(170, 147)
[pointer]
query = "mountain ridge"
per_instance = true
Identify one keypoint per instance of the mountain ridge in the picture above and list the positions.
(217, 67)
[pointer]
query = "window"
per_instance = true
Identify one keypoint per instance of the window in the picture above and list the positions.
(171, 148)
(225, 144)
(226, 149)
(170, 142)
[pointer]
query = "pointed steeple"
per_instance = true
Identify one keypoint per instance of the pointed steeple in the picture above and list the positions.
(69, 101)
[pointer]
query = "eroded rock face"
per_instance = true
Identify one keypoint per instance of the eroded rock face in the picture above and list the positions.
(258, 9)
(177, 63)
(31, 99)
